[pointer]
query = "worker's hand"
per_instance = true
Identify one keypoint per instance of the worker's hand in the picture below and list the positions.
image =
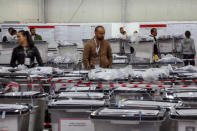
(88, 67)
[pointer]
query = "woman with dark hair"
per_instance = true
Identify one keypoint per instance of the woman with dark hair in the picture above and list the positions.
(26, 52)
(188, 49)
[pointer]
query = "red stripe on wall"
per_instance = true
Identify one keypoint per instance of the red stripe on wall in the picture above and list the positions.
(41, 26)
(74, 25)
(155, 25)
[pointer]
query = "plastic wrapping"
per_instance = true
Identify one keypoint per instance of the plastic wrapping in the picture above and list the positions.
(40, 70)
(189, 68)
(169, 59)
(137, 38)
(62, 59)
(110, 74)
(4, 69)
(153, 74)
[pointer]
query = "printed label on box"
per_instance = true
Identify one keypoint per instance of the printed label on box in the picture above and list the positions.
(70, 124)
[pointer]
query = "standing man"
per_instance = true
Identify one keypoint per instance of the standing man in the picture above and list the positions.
(156, 44)
(97, 51)
(123, 40)
(123, 34)
(8, 36)
(34, 35)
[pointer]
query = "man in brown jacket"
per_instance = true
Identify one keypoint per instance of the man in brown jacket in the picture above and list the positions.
(97, 51)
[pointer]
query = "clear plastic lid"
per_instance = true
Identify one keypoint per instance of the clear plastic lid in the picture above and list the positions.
(79, 102)
(83, 88)
(186, 94)
(149, 104)
(81, 95)
(107, 111)
(129, 89)
(25, 93)
(12, 106)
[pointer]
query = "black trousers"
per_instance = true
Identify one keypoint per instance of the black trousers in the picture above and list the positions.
(187, 62)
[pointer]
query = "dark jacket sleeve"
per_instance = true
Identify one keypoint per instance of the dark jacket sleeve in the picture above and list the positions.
(5, 39)
(38, 37)
(109, 55)
(86, 55)
(13, 58)
(38, 57)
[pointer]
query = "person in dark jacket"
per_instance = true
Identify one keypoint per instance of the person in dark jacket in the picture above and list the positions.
(35, 36)
(26, 52)
(156, 44)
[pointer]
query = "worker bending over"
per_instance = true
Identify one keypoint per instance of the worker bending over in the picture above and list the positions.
(97, 51)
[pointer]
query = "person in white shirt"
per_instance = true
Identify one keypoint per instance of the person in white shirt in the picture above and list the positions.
(8, 36)
(124, 38)
(14, 35)
(123, 34)
(135, 37)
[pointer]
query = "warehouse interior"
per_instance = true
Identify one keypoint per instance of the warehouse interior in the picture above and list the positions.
(98, 65)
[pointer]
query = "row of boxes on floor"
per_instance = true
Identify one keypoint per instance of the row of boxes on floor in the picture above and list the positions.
(108, 106)
(73, 110)
(74, 113)
(111, 106)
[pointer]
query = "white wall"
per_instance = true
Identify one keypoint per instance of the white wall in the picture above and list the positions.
(85, 11)
(94, 11)
(161, 10)
(20, 10)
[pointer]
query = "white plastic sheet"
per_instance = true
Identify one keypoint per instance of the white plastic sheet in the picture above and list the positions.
(154, 74)
(110, 74)
(169, 59)
(189, 68)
